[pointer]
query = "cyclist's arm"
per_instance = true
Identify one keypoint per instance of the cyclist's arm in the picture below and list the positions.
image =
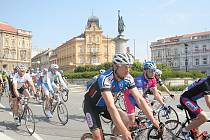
(15, 88)
(143, 105)
(166, 89)
(207, 99)
(109, 100)
(157, 95)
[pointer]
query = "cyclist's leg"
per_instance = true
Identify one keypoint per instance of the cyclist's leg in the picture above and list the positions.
(130, 108)
(197, 115)
(47, 95)
(93, 120)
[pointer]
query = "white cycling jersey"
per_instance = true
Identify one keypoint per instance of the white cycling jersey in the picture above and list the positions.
(21, 80)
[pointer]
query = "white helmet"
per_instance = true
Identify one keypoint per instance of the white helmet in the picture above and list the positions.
(101, 71)
(158, 72)
(123, 58)
(22, 67)
(54, 66)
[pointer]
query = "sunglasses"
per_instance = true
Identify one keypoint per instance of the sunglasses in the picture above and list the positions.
(151, 70)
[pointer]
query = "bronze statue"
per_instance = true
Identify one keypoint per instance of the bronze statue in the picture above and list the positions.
(121, 24)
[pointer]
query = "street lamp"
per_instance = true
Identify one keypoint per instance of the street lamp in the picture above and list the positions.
(186, 59)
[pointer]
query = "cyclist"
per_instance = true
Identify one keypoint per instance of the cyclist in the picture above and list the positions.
(99, 98)
(4, 75)
(146, 83)
(195, 91)
(55, 78)
(19, 87)
(158, 74)
(63, 77)
(47, 89)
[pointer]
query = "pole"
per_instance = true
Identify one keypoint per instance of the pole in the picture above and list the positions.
(134, 47)
(186, 59)
(107, 49)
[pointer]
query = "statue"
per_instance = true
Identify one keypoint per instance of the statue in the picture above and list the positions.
(121, 24)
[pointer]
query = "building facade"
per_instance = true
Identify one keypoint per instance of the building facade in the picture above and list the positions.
(15, 46)
(42, 60)
(91, 47)
(184, 52)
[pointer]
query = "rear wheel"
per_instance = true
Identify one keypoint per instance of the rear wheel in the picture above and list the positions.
(62, 113)
(44, 106)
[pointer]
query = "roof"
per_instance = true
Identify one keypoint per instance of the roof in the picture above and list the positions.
(7, 27)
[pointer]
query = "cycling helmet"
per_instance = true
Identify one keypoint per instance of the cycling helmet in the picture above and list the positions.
(149, 65)
(22, 67)
(54, 66)
(123, 58)
(45, 69)
(62, 73)
(158, 72)
(101, 71)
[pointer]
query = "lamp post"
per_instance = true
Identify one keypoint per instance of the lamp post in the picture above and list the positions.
(186, 58)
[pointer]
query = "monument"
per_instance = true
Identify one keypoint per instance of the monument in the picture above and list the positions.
(120, 40)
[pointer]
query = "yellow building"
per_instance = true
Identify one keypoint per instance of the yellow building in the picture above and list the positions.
(15, 46)
(91, 47)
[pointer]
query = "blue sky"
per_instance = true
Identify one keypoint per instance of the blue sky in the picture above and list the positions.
(53, 22)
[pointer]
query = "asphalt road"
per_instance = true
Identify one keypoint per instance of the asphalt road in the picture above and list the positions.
(51, 129)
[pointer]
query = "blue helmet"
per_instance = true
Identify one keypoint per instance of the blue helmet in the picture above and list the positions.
(149, 65)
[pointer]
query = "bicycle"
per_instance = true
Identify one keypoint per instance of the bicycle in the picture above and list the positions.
(25, 112)
(175, 131)
(119, 101)
(64, 94)
(62, 111)
(163, 114)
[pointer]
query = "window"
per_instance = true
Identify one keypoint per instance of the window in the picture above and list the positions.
(97, 39)
(205, 61)
(204, 48)
(7, 42)
(13, 43)
(89, 39)
(81, 60)
(197, 61)
(23, 44)
(196, 48)
(159, 54)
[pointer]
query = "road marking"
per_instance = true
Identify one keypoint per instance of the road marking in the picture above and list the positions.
(5, 137)
(35, 135)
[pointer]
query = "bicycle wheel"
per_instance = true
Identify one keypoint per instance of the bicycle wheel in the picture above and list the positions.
(87, 136)
(175, 128)
(29, 120)
(65, 95)
(153, 134)
(62, 113)
(167, 114)
(44, 107)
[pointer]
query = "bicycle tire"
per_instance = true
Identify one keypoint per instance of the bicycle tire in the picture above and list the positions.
(175, 128)
(87, 136)
(44, 107)
(164, 116)
(65, 95)
(61, 109)
(120, 101)
(105, 120)
(29, 120)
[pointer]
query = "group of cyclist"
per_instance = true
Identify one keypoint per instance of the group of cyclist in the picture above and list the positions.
(99, 98)
(48, 81)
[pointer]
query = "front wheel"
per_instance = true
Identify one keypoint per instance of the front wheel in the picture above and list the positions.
(87, 136)
(62, 113)
(167, 114)
(29, 120)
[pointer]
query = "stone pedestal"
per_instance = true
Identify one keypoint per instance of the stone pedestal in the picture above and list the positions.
(121, 44)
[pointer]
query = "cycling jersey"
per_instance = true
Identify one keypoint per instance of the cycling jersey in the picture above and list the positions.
(143, 84)
(194, 92)
(21, 80)
(106, 82)
(94, 103)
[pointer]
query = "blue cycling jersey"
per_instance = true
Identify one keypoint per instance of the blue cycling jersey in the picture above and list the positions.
(197, 89)
(106, 82)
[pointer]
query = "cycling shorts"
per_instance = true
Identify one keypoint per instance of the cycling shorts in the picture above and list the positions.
(192, 107)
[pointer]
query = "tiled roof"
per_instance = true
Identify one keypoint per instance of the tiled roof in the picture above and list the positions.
(7, 27)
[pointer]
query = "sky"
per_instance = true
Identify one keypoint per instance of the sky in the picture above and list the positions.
(53, 22)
